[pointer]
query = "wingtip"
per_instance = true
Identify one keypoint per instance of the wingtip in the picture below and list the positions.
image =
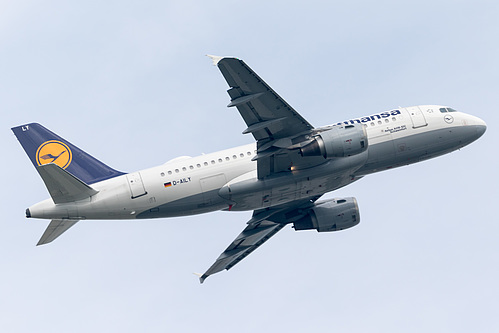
(201, 277)
(215, 59)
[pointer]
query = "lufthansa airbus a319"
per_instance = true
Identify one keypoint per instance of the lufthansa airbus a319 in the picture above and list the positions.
(280, 177)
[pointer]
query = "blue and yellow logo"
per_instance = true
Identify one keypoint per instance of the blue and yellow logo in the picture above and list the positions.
(54, 152)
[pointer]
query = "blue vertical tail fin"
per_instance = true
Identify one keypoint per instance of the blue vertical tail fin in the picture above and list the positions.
(44, 147)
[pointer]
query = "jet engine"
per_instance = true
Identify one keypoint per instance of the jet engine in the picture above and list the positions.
(330, 215)
(339, 141)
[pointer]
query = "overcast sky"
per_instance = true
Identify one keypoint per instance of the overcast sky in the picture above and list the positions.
(129, 83)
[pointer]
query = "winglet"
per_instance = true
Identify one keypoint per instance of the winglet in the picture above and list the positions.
(200, 276)
(214, 58)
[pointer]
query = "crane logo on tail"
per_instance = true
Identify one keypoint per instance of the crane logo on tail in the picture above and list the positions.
(54, 152)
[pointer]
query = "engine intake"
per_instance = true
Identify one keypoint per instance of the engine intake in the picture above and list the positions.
(339, 141)
(331, 215)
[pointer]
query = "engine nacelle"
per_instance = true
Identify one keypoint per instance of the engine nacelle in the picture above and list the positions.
(331, 215)
(339, 141)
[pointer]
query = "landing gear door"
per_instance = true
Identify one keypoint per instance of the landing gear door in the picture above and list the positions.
(136, 185)
(417, 117)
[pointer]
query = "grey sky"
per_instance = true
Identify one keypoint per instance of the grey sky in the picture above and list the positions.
(128, 82)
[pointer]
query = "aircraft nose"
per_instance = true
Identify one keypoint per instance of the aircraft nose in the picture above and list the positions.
(477, 124)
(481, 127)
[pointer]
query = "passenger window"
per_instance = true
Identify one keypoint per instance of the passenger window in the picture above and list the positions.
(205, 163)
(241, 155)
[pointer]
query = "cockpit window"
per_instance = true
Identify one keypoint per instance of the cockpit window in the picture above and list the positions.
(447, 110)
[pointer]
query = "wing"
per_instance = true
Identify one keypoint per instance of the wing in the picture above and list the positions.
(264, 224)
(267, 115)
(275, 125)
(248, 241)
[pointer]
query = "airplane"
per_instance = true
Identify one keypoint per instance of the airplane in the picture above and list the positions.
(280, 177)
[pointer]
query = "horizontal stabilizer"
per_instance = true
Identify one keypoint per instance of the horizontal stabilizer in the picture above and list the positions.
(55, 229)
(63, 186)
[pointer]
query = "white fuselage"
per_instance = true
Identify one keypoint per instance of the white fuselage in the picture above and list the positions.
(227, 180)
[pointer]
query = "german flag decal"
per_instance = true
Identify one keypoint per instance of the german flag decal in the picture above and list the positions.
(168, 184)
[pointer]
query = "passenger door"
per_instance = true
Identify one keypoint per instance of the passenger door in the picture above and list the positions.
(136, 185)
(417, 117)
